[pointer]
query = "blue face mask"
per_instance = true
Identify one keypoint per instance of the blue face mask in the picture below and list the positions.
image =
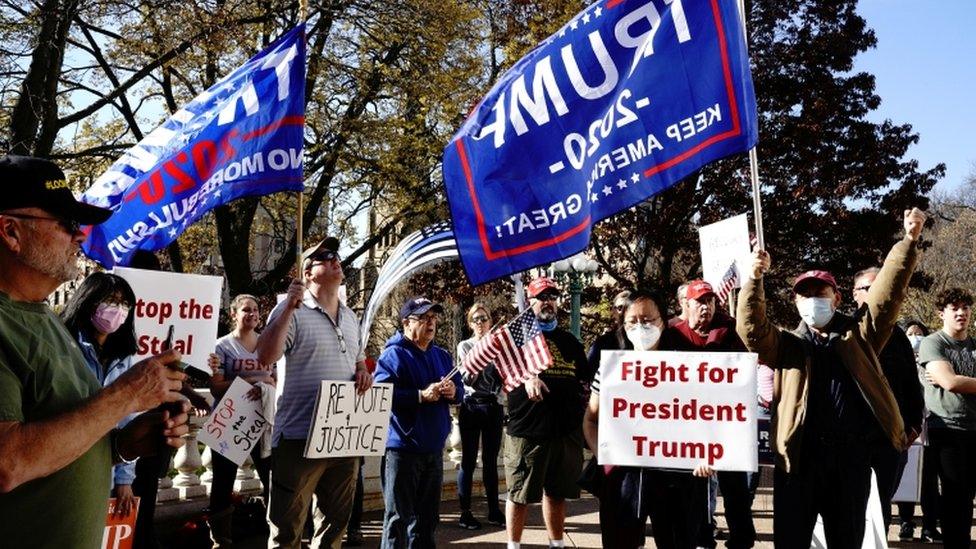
(548, 326)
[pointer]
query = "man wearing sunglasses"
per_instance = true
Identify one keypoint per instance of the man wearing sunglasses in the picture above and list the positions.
(319, 337)
(58, 439)
(413, 465)
(612, 339)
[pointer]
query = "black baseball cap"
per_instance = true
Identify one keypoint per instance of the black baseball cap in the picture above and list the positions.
(29, 182)
(418, 306)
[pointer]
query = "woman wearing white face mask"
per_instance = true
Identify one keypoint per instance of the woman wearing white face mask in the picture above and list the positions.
(99, 315)
(626, 492)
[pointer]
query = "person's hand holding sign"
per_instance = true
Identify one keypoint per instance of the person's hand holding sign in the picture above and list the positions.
(125, 500)
(363, 379)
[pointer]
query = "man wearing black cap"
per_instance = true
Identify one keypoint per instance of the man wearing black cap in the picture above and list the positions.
(413, 466)
(57, 425)
(831, 393)
(319, 337)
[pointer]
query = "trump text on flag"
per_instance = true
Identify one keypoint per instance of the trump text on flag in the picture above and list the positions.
(678, 410)
(624, 101)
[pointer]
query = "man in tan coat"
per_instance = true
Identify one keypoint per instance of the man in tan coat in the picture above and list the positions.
(831, 398)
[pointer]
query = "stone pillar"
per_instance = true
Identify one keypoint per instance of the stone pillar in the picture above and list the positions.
(166, 490)
(187, 462)
(247, 480)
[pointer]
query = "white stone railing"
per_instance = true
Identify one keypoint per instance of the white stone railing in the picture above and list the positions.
(188, 492)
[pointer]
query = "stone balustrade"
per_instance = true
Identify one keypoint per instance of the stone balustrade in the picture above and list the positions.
(188, 491)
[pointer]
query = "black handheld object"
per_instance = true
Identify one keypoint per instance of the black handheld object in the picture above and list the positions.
(174, 408)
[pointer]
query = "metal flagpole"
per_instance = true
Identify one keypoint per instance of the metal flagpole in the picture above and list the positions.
(753, 158)
(299, 240)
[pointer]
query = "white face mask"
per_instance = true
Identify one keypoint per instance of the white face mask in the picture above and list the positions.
(644, 337)
(816, 311)
(916, 341)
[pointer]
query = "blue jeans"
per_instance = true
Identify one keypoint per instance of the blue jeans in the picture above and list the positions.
(412, 496)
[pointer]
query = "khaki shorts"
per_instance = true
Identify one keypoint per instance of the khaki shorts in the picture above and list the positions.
(537, 466)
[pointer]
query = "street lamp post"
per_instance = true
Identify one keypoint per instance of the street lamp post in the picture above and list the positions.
(577, 271)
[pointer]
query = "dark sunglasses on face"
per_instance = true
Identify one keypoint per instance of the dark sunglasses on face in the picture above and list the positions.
(327, 255)
(547, 297)
(479, 319)
(68, 225)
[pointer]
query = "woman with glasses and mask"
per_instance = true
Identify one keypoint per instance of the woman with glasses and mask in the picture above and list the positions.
(99, 316)
(480, 416)
(631, 495)
(237, 357)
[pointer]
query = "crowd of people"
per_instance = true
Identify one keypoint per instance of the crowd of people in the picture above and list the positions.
(81, 419)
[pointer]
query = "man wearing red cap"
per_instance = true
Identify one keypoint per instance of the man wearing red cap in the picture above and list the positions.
(706, 328)
(831, 393)
(544, 450)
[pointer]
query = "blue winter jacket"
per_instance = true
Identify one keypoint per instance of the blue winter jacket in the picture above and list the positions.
(416, 427)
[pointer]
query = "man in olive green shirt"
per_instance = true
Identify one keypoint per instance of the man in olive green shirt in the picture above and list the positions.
(57, 426)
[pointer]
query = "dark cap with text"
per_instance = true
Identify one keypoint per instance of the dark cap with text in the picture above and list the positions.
(29, 182)
(419, 306)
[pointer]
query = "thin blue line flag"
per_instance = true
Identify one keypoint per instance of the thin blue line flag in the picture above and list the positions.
(242, 137)
(628, 98)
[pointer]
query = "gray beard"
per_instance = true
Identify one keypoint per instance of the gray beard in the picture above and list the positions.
(41, 260)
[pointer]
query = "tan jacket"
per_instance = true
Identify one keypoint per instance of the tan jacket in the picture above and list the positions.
(858, 348)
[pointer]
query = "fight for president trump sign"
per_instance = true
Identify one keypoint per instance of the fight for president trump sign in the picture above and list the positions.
(628, 98)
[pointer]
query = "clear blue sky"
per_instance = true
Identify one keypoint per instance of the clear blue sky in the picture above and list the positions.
(925, 69)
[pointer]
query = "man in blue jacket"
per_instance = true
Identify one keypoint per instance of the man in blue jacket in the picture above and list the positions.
(413, 467)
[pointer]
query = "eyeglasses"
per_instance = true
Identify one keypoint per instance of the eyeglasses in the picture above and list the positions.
(479, 319)
(546, 297)
(72, 227)
(642, 322)
(120, 304)
(428, 319)
(862, 288)
(619, 307)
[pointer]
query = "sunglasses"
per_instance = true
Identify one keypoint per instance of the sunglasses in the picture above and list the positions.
(72, 227)
(547, 297)
(327, 255)
(479, 319)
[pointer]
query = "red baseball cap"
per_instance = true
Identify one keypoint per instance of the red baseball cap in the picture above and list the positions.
(822, 276)
(542, 284)
(698, 289)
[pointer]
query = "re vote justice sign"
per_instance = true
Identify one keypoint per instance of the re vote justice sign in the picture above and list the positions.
(188, 302)
(678, 410)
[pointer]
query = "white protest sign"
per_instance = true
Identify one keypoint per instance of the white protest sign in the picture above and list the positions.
(721, 244)
(236, 424)
(348, 424)
(678, 410)
(191, 303)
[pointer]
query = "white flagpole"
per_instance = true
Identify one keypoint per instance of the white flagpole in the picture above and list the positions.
(753, 158)
(299, 240)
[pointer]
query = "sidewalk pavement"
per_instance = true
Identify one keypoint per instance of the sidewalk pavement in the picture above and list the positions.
(582, 527)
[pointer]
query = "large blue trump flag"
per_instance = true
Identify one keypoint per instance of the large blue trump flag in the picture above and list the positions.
(241, 137)
(623, 102)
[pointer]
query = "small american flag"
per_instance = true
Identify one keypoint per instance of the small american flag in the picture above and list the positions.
(518, 349)
(730, 281)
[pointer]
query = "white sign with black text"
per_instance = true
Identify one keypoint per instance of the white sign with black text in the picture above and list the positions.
(237, 422)
(348, 424)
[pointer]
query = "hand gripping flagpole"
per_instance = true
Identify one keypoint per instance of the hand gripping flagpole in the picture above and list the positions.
(753, 157)
(299, 244)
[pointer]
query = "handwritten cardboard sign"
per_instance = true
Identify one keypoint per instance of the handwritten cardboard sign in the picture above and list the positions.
(119, 530)
(236, 424)
(348, 424)
(191, 303)
(723, 243)
(678, 410)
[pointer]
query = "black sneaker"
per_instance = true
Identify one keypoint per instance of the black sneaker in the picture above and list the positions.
(496, 517)
(931, 536)
(468, 522)
(906, 532)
